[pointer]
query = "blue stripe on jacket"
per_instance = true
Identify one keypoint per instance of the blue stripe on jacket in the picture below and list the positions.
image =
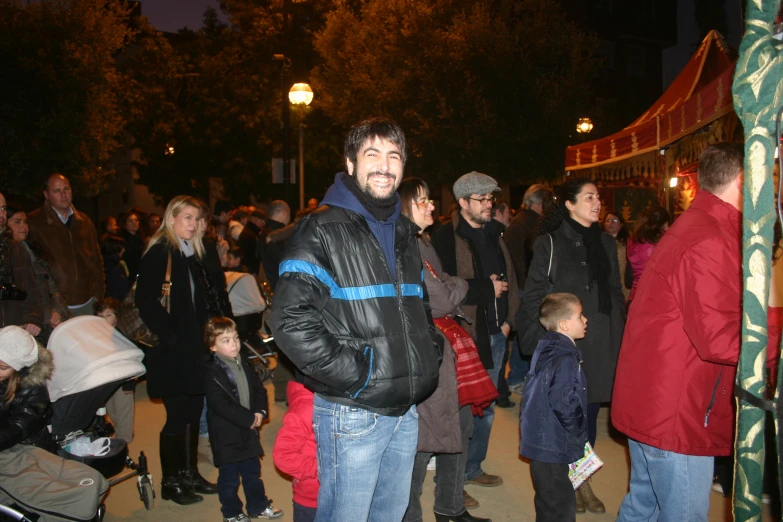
(354, 293)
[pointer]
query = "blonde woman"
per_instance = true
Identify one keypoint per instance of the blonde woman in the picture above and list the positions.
(174, 371)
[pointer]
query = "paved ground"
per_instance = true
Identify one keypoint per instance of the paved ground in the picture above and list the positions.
(511, 501)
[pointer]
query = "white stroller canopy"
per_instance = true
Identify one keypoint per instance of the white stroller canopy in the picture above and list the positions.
(243, 294)
(89, 352)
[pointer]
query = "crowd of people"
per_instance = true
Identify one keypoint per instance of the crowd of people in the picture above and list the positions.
(400, 333)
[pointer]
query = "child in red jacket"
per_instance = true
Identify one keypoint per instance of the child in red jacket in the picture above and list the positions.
(295, 453)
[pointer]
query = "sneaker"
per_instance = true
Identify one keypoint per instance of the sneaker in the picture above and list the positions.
(516, 388)
(268, 513)
(716, 487)
(486, 480)
(239, 518)
(431, 464)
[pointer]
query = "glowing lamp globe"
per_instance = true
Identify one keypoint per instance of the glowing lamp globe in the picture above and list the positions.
(300, 93)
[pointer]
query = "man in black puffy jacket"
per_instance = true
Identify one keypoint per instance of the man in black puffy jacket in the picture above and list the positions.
(350, 312)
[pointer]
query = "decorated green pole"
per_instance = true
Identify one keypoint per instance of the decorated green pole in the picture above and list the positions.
(758, 94)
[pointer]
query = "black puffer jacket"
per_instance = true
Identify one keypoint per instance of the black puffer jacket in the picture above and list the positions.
(360, 336)
(24, 419)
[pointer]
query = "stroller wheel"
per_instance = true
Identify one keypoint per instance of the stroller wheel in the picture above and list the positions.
(147, 494)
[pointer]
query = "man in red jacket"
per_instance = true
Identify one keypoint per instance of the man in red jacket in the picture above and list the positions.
(673, 387)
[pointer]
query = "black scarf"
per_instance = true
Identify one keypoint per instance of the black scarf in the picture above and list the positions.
(381, 209)
(597, 261)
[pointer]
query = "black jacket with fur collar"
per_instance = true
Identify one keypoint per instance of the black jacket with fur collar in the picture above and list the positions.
(25, 418)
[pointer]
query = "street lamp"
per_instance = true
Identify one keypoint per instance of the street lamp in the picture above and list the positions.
(584, 125)
(301, 94)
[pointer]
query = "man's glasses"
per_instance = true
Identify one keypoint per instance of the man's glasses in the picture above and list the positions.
(613, 220)
(424, 203)
(484, 201)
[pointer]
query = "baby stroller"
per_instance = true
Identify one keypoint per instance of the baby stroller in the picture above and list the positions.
(92, 360)
(248, 301)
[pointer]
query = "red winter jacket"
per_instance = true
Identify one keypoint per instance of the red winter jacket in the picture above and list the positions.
(674, 383)
(294, 453)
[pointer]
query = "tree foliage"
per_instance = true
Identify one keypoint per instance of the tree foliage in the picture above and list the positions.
(228, 121)
(60, 93)
(490, 85)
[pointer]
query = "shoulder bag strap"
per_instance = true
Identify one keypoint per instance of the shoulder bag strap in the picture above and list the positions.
(551, 254)
(165, 294)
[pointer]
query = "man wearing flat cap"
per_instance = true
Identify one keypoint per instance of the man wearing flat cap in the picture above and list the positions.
(472, 248)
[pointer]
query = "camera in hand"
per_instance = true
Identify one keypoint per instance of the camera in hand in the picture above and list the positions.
(9, 292)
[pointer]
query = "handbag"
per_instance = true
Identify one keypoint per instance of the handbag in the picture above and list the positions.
(129, 321)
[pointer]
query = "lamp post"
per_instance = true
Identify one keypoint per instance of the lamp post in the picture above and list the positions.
(302, 95)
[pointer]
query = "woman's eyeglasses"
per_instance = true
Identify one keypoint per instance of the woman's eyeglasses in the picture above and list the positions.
(424, 203)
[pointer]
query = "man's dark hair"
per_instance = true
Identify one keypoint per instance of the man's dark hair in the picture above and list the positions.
(363, 131)
(555, 308)
(222, 205)
(720, 164)
(499, 206)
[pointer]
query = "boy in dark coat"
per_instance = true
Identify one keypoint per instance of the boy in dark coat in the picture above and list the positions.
(236, 406)
(553, 416)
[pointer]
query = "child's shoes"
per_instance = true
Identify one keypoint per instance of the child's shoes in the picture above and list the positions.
(239, 518)
(269, 513)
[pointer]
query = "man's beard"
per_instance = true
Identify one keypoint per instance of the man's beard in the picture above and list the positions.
(479, 217)
(367, 190)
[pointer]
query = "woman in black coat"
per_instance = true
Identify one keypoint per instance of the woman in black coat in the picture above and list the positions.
(583, 263)
(174, 368)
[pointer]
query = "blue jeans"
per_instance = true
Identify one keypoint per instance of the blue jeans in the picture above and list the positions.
(666, 486)
(365, 462)
(482, 426)
(228, 483)
(518, 366)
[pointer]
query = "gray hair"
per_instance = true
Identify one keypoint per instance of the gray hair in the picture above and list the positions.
(278, 207)
(535, 195)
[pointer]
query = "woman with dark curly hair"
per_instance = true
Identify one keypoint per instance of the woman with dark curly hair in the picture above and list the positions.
(572, 254)
(648, 230)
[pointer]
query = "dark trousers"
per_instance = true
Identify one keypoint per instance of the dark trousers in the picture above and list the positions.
(181, 411)
(555, 500)
(304, 513)
(253, 486)
(592, 422)
(449, 476)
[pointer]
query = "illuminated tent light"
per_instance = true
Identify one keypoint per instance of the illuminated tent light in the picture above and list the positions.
(584, 125)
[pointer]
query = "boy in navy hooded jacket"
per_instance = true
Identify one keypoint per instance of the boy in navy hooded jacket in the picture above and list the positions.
(553, 416)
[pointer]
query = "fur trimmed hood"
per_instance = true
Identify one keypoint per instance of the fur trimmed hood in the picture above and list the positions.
(40, 372)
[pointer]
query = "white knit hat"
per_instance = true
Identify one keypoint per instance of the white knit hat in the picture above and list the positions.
(18, 349)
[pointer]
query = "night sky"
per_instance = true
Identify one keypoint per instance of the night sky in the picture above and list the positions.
(171, 15)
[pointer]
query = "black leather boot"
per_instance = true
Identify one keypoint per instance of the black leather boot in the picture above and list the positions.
(190, 475)
(464, 517)
(172, 460)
